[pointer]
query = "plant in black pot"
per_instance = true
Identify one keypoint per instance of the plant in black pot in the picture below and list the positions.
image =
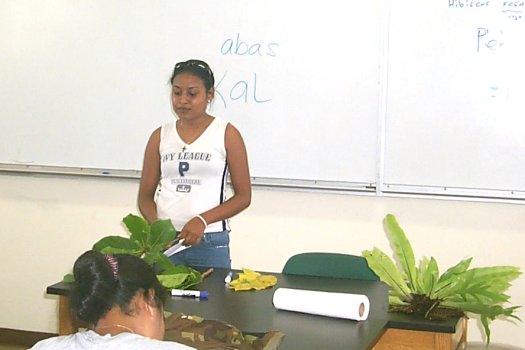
(460, 290)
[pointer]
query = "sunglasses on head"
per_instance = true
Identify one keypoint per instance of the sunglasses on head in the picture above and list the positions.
(193, 63)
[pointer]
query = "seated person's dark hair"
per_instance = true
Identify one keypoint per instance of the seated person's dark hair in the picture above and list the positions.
(104, 281)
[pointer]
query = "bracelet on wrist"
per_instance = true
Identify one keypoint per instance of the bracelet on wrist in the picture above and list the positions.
(203, 221)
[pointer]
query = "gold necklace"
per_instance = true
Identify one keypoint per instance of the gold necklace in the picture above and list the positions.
(116, 325)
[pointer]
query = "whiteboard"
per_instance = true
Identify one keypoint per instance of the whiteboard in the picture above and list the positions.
(388, 96)
(84, 83)
(456, 97)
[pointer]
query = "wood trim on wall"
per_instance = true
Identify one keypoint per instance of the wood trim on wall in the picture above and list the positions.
(21, 337)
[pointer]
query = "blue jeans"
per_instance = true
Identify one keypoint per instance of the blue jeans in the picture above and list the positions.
(213, 251)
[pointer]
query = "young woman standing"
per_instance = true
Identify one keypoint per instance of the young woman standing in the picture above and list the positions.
(185, 170)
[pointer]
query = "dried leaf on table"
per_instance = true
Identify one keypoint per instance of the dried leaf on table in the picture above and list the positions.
(249, 279)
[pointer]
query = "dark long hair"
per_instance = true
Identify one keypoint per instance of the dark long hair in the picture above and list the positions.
(105, 281)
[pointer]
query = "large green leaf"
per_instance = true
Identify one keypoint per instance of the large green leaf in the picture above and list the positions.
(112, 250)
(173, 281)
(151, 257)
(428, 276)
(403, 252)
(487, 312)
(179, 269)
(116, 244)
(162, 232)
(68, 278)
(453, 272)
(180, 277)
(387, 272)
(496, 273)
(454, 284)
(138, 228)
(396, 300)
(487, 285)
(163, 263)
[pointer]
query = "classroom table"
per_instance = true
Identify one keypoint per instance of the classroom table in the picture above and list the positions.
(253, 312)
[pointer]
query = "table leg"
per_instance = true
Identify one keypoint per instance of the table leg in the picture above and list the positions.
(65, 321)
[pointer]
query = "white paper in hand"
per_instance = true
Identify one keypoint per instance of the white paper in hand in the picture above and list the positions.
(174, 249)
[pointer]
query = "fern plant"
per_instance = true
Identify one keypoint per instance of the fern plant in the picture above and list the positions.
(422, 290)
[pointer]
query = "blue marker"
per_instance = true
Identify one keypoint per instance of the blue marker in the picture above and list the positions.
(189, 293)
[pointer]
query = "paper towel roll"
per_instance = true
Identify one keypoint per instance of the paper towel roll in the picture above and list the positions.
(341, 305)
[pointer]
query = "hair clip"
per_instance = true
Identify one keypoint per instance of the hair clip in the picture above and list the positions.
(113, 263)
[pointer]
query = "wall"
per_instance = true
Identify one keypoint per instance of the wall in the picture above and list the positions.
(49, 220)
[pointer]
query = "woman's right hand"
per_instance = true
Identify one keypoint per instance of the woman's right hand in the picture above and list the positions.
(192, 232)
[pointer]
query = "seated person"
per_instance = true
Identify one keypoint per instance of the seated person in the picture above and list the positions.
(122, 301)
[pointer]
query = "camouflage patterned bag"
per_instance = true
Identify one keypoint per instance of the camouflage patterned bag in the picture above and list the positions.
(204, 334)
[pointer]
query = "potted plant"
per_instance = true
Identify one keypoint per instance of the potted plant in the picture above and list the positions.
(149, 242)
(422, 290)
